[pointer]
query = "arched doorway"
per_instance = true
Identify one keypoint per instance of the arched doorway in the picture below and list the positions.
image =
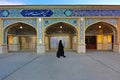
(100, 36)
(61, 31)
(21, 37)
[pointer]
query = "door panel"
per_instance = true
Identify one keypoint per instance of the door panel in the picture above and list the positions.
(54, 41)
(28, 42)
(90, 42)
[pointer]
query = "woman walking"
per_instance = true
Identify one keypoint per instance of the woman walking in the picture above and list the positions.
(60, 51)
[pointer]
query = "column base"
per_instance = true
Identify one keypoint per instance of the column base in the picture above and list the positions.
(81, 48)
(40, 49)
(116, 48)
(3, 49)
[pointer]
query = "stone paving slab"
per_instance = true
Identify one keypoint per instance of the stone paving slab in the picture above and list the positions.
(89, 66)
(109, 59)
(11, 62)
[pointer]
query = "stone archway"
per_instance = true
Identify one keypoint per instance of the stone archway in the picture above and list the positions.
(21, 37)
(61, 31)
(100, 36)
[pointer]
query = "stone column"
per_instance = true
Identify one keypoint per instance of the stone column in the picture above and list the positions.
(81, 48)
(3, 46)
(116, 45)
(40, 36)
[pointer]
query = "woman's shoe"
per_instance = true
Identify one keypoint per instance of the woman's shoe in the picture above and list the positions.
(64, 56)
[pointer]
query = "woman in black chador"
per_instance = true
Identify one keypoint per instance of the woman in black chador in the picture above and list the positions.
(60, 51)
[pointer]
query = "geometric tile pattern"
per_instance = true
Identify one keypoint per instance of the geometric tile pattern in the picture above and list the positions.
(72, 21)
(31, 22)
(88, 22)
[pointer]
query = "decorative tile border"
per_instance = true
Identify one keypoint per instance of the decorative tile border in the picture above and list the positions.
(95, 12)
(58, 12)
(40, 30)
(82, 33)
(15, 13)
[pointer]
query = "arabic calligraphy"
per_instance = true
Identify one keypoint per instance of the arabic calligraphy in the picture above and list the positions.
(37, 13)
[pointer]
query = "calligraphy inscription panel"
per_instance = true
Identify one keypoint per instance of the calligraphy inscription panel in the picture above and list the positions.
(37, 13)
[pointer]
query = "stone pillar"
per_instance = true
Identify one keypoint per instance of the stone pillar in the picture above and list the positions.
(81, 47)
(3, 46)
(40, 36)
(116, 45)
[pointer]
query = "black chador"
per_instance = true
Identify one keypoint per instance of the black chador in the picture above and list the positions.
(60, 51)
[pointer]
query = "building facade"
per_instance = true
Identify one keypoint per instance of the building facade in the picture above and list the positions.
(39, 28)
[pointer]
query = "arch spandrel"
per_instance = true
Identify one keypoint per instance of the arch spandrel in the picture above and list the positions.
(113, 26)
(31, 22)
(10, 25)
(56, 27)
(89, 22)
(48, 22)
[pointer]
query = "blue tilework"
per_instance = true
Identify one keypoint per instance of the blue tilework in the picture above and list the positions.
(58, 12)
(72, 21)
(88, 22)
(39, 30)
(82, 33)
(15, 13)
(36, 13)
(31, 22)
(95, 12)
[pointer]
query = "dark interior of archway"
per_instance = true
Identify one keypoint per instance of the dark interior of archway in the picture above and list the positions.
(25, 30)
(55, 29)
(94, 30)
(105, 28)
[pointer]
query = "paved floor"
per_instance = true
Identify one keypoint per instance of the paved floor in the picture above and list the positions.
(89, 66)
